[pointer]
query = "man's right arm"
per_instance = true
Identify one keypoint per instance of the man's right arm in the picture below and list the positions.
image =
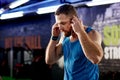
(53, 52)
(54, 48)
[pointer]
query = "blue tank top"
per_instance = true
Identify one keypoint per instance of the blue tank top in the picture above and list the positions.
(76, 65)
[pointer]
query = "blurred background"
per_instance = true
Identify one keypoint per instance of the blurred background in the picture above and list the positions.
(25, 30)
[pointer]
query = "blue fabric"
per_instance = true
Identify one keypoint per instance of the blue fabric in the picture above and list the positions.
(76, 65)
(88, 29)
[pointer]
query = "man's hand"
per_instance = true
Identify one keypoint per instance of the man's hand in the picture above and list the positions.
(55, 30)
(77, 25)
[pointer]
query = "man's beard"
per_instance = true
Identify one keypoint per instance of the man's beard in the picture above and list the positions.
(68, 33)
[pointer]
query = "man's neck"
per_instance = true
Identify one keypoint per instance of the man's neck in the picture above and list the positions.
(73, 37)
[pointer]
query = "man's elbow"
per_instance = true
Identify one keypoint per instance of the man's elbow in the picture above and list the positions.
(97, 60)
(49, 62)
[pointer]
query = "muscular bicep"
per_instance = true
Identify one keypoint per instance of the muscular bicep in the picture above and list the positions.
(97, 52)
(97, 40)
(59, 47)
(59, 50)
(95, 37)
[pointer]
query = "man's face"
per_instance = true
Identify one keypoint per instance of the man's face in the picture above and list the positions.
(64, 24)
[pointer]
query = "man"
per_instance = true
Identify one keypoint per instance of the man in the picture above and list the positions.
(80, 45)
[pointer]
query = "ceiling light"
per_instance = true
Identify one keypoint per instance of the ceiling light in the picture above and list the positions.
(11, 15)
(101, 2)
(17, 3)
(2, 10)
(48, 9)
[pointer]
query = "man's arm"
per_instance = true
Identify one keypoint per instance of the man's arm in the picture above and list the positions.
(90, 42)
(53, 52)
(91, 45)
(54, 48)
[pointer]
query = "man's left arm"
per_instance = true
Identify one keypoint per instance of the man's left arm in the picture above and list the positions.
(90, 42)
(91, 45)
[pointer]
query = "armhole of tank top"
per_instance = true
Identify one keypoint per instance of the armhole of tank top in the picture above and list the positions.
(88, 29)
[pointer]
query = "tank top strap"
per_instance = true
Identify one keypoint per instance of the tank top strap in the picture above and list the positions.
(88, 29)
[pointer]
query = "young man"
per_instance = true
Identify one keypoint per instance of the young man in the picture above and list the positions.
(80, 45)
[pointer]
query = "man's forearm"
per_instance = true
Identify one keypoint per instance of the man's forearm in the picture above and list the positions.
(51, 52)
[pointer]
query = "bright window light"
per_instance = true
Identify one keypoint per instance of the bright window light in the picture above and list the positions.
(17, 3)
(11, 15)
(48, 9)
(101, 2)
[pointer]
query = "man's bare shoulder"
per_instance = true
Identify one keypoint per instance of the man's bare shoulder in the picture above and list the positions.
(95, 36)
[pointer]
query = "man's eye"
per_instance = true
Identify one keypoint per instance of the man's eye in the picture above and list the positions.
(63, 23)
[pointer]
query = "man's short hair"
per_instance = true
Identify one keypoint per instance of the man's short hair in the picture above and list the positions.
(66, 9)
